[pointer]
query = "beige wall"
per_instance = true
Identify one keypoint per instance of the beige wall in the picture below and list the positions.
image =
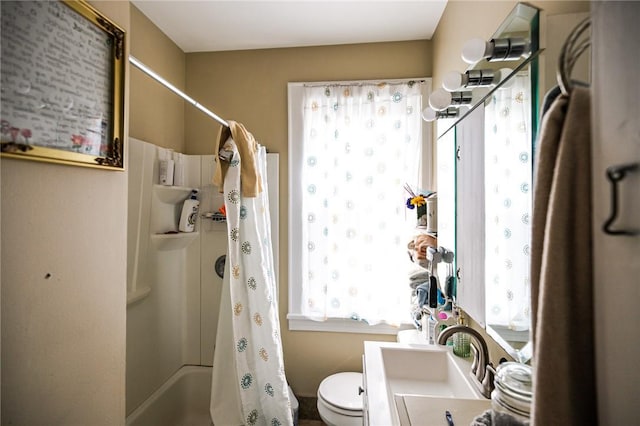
(156, 114)
(251, 87)
(63, 337)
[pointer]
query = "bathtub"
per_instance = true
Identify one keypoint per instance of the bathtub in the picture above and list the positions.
(182, 400)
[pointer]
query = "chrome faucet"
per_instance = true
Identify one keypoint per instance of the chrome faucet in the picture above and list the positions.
(482, 370)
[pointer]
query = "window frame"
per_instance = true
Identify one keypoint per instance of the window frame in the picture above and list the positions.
(295, 96)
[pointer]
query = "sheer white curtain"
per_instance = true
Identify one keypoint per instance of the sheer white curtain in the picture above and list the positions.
(361, 144)
(508, 174)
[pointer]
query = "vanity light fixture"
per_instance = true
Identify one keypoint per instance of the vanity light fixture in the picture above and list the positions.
(430, 114)
(455, 81)
(497, 49)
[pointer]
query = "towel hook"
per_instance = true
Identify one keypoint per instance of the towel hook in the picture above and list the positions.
(615, 174)
(571, 50)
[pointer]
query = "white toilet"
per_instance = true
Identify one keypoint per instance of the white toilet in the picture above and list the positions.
(340, 399)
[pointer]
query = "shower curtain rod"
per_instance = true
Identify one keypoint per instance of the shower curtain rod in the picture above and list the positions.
(175, 90)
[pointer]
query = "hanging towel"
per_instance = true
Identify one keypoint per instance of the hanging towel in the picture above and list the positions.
(561, 267)
(553, 93)
(247, 147)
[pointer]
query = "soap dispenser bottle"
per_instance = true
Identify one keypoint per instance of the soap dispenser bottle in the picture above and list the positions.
(189, 213)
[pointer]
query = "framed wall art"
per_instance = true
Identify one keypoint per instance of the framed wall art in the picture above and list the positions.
(62, 84)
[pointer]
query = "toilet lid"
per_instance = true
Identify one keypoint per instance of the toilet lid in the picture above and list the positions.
(342, 390)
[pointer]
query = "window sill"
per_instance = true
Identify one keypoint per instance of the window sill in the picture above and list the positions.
(299, 322)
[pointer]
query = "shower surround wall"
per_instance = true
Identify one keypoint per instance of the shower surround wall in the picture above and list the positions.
(173, 291)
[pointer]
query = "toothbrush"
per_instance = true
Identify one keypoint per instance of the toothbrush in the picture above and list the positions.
(449, 418)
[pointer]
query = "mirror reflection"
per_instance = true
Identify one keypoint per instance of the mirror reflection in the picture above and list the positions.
(508, 204)
(509, 129)
(492, 141)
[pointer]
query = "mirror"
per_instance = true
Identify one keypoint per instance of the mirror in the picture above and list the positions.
(491, 146)
(509, 124)
(510, 131)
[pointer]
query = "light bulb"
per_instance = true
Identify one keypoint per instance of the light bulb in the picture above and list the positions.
(475, 50)
(452, 81)
(429, 114)
(440, 99)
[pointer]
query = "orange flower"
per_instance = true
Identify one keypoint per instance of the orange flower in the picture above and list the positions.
(417, 201)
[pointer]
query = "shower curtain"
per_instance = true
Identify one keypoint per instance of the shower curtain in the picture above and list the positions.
(248, 386)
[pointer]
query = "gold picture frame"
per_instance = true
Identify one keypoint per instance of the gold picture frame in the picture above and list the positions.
(62, 79)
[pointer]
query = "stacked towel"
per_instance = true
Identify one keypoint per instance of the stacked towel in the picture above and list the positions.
(418, 277)
(419, 282)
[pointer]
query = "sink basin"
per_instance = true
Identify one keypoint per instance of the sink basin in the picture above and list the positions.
(400, 378)
(428, 370)
(429, 410)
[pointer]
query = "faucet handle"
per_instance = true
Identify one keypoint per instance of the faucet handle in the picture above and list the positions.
(488, 381)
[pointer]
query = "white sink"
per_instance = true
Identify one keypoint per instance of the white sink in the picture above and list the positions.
(411, 372)
(427, 370)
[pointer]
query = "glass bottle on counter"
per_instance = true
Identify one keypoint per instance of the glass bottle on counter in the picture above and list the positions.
(462, 341)
(511, 398)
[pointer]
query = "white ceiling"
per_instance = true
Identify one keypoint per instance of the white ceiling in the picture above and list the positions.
(216, 25)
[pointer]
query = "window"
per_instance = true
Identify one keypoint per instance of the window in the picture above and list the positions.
(352, 149)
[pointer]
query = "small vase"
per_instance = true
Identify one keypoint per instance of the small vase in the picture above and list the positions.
(432, 214)
(422, 215)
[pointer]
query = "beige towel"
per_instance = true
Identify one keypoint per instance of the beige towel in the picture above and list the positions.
(561, 274)
(247, 147)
